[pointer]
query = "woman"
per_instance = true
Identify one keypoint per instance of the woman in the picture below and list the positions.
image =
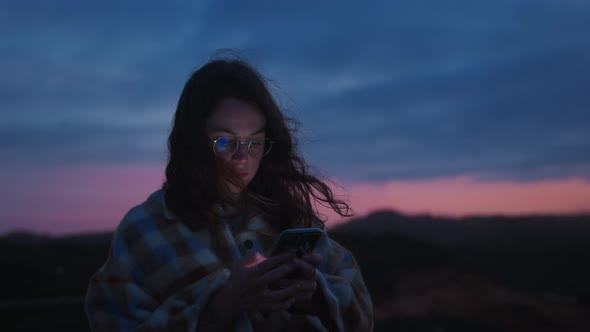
(195, 255)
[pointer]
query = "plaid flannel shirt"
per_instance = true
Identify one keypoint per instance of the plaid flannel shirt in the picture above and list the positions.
(160, 274)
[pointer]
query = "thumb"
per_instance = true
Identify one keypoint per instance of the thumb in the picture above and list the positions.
(313, 259)
(251, 260)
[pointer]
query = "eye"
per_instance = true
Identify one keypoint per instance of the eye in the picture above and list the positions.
(224, 142)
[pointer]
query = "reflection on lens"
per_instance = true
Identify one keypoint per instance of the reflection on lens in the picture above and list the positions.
(227, 146)
(222, 144)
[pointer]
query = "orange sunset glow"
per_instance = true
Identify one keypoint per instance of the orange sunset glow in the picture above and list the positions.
(90, 198)
(463, 196)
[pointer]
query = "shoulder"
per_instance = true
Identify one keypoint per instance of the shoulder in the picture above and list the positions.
(143, 222)
(335, 255)
(144, 214)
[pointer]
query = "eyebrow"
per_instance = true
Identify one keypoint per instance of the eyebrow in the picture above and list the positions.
(217, 129)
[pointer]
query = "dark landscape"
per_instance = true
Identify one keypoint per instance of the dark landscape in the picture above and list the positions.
(424, 273)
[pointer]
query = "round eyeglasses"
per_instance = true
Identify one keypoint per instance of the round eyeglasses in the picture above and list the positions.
(227, 146)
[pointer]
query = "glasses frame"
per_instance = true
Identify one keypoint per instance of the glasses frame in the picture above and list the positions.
(246, 142)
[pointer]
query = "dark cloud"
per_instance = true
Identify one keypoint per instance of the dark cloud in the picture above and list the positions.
(67, 144)
(409, 89)
(497, 116)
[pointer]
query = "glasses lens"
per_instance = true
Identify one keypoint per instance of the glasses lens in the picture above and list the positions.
(257, 147)
(260, 147)
(267, 146)
(225, 146)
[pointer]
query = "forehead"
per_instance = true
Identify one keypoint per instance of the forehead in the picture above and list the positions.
(236, 117)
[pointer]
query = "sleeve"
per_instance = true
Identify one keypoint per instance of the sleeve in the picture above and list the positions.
(121, 296)
(343, 287)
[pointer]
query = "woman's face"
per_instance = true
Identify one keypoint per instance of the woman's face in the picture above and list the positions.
(237, 119)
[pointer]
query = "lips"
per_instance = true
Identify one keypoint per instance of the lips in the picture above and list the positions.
(243, 174)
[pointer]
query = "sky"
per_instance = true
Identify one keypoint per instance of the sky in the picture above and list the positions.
(448, 108)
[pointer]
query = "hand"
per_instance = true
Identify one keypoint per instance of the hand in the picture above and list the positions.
(304, 278)
(247, 287)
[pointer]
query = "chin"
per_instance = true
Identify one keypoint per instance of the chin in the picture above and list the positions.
(237, 189)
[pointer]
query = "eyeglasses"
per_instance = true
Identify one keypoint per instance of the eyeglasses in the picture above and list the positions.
(227, 146)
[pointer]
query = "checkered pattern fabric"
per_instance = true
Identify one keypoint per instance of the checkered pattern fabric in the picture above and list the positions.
(159, 275)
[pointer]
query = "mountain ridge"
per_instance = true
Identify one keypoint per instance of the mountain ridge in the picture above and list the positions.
(551, 230)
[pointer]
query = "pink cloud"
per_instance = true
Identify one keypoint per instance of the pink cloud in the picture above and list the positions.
(95, 198)
(461, 196)
(74, 199)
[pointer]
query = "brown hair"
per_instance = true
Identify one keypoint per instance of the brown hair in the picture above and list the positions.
(283, 188)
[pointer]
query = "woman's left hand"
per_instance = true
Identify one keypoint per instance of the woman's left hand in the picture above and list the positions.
(304, 277)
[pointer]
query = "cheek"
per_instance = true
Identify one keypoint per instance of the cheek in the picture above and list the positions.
(255, 166)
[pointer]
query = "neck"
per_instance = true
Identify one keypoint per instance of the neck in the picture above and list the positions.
(236, 206)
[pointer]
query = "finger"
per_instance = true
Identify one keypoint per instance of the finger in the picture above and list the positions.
(314, 259)
(276, 274)
(276, 306)
(307, 290)
(252, 260)
(280, 284)
(300, 285)
(304, 269)
(269, 299)
(274, 261)
(292, 288)
(304, 297)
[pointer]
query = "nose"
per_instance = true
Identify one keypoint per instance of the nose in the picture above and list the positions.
(241, 153)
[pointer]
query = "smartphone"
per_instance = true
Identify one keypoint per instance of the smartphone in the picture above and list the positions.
(299, 240)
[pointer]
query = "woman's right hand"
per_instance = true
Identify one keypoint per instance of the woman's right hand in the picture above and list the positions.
(247, 288)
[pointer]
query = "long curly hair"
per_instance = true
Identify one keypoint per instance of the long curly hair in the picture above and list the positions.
(283, 188)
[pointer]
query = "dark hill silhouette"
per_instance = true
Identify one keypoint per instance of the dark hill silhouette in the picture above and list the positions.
(387, 257)
(536, 253)
(424, 273)
(29, 238)
(473, 274)
(531, 232)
